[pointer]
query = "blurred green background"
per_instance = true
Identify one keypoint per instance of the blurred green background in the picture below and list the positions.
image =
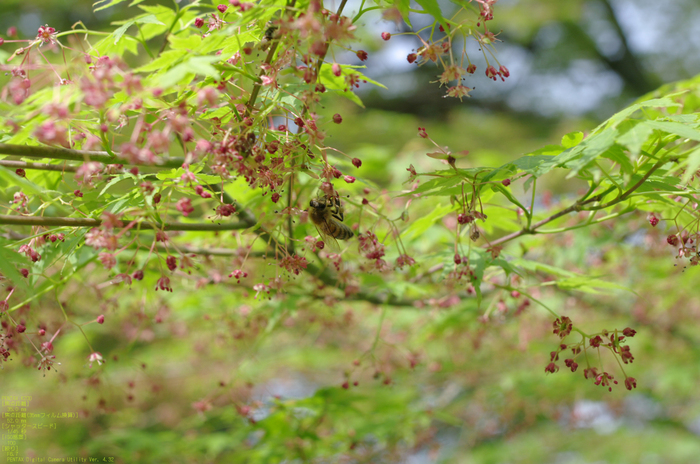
(182, 389)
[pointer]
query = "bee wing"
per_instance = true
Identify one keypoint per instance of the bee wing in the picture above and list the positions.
(328, 240)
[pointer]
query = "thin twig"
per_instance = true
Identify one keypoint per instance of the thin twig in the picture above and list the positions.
(38, 166)
(319, 63)
(578, 206)
(89, 222)
(257, 85)
(68, 154)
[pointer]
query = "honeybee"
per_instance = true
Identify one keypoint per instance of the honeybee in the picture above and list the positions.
(327, 215)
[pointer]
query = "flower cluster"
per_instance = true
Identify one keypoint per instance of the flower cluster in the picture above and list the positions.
(4, 345)
(686, 244)
(371, 248)
(563, 327)
(293, 263)
(438, 46)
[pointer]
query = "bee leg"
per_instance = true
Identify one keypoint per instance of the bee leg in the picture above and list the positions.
(337, 210)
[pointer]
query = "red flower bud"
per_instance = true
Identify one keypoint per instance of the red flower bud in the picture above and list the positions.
(571, 364)
(551, 368)
(491, 73)
(464, 218)
(171, 262)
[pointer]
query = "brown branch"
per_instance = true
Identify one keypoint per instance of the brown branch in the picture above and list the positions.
(389, 299)
(290, 227)
(268, 59)
(212, 251)
(578, 206)
(38, 166)
(143, 225)
(185, 249)
(319, 63)
(638, 184)
(68, 154)
(258, 84)
(324, 275)
(247, 218)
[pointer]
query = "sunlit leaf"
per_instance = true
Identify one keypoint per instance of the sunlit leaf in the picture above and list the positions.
(105, 4)
(433, 9)
(147, 19)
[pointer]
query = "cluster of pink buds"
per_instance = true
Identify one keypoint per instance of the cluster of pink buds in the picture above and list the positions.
(493, 73)
(238, 275)
(563, 327)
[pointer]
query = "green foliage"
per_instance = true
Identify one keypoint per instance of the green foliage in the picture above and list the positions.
(180, 152)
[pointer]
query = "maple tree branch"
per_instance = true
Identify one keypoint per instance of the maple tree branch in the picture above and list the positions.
(69, 154)
(38, 166)
(143, 225)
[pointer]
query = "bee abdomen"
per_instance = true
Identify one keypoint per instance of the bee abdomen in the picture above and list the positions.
(343, 232)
